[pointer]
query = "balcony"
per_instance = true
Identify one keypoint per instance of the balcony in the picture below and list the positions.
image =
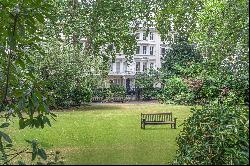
(122, 73)
(146, 42)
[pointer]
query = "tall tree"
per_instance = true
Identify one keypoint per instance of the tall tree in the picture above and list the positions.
(216, 133)
(29, 28)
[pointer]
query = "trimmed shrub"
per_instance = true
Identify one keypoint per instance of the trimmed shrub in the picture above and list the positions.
(216, 134)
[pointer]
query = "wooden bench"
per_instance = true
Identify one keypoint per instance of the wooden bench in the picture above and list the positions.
(118, 99)
(97, 99)
(157, 119)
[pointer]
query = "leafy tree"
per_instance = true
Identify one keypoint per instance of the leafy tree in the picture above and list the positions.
(180, 66)
(220, 31)
(22, 93)
(180, 58)
(29, 28)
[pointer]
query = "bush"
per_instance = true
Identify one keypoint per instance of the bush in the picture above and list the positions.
(109, 93)
(65, 96)
(150, 93)
(118, 90)
(216, 134)
(174, 91)
(81, 95)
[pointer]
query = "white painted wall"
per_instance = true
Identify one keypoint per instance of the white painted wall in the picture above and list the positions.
(155, 58)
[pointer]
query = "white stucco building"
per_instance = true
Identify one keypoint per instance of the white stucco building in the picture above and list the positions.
(149, 51)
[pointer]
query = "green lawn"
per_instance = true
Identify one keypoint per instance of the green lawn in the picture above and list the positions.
(108, 134)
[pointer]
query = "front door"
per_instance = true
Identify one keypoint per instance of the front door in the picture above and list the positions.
(128, 84)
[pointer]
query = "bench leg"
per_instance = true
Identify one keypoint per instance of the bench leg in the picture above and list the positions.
(143, 124)
(175, 123)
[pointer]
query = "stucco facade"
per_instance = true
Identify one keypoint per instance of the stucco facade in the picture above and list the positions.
(148, 55)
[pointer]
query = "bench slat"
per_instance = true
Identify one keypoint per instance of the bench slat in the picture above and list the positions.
(151, 122)
(163, 113)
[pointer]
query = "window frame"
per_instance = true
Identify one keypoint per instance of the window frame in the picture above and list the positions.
(139, 66)
(144, 36)
(151, 52)
(144, 50)
(151, 36)
(137, 36)
(151, 65)
(138, 50)
(118, 68)
(144, 66)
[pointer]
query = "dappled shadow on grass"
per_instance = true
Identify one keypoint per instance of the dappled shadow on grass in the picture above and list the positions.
(91, 108)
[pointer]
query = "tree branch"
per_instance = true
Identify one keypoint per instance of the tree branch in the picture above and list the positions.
(12, 47)
(15, 155)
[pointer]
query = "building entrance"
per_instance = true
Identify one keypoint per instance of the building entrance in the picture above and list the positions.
(128, 84)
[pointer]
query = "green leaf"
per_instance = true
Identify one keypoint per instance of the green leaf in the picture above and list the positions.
(42, 154)
(40, 18)
(34, 154)
(34, 148)
(5, 137)
(46, 120)
(9, 145)
(53, 115)
(22, 123)
(21, 63)
(4, 125)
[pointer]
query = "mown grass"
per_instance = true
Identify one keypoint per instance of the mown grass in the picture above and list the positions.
(107, 134)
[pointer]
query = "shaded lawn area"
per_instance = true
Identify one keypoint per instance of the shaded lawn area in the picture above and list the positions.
(108, 134)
